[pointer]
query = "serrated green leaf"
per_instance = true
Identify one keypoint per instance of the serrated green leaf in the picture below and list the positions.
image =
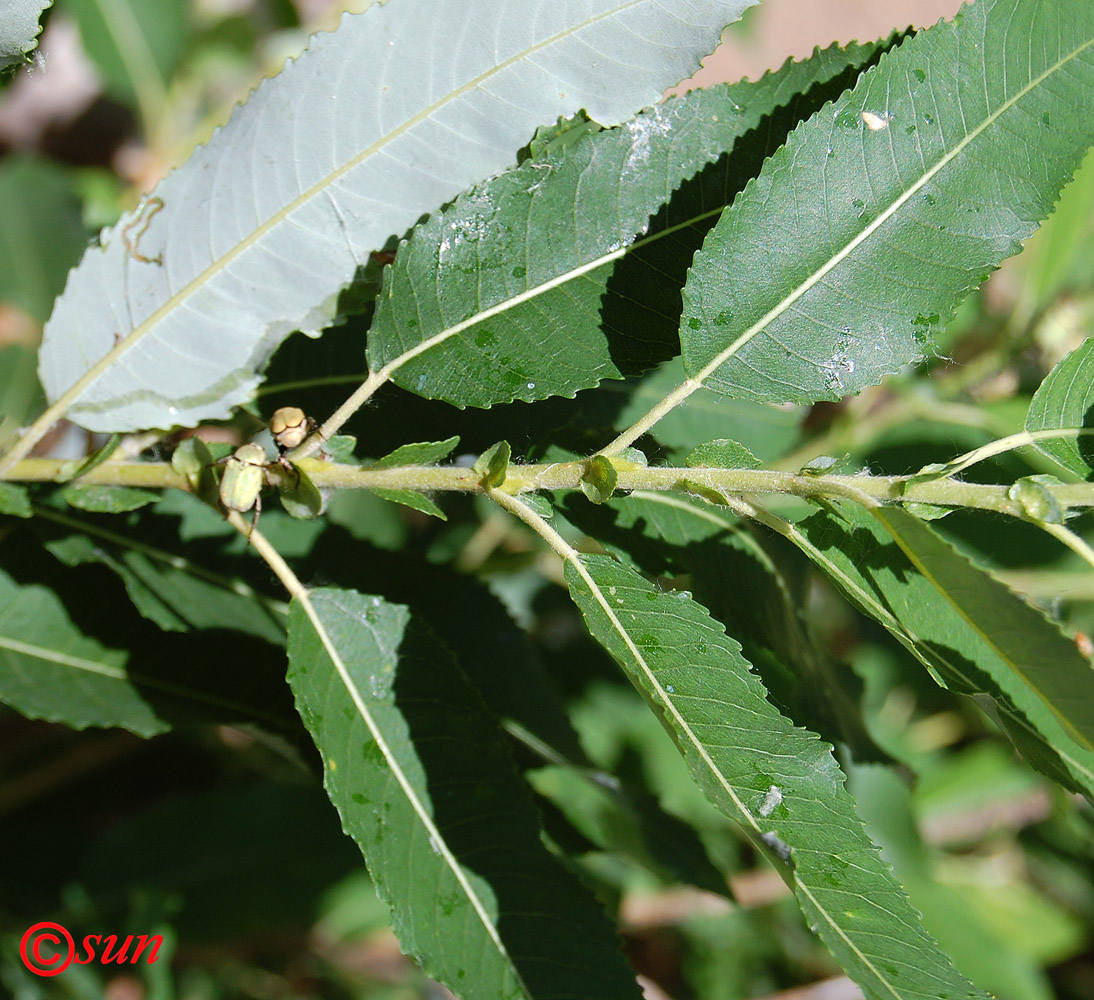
(1043, 660)
(423, 783)
(1065, 402)
(778, 782)
(880, 213)
(261, 242)
(554, 276)
(19, 29)
(422, 453)
(99, 499)
(971, 632)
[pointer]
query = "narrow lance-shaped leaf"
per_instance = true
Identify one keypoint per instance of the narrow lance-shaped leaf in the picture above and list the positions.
(779, 782)
(1065, 402)
(975, 635)
(862, 234)
(416, 768)
(520, 291)
(373, 124)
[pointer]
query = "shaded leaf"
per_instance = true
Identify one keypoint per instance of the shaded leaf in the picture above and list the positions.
(972, 633)
(780, 783)
(15, 500)
(299, 495)
(178, 593)
(416, 770)
(880, 213)
(49, 670)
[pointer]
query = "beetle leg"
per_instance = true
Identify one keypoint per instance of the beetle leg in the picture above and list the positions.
(254, 519)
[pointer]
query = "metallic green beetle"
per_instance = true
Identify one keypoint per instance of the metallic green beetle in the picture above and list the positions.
(243, 480)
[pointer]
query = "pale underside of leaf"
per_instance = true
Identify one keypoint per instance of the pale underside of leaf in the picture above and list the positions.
(172, 318)
(19, 28)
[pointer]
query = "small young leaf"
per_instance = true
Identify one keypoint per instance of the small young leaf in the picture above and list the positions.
(539, 503)
(425, 786)
(98, 499)
(1065, 402)
(1037, 500)
(413, 499)
(15, 500)
(598, 479)
(75, 469)
(492, 465)
(722, 454)
(299, 495)
(422, 453)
